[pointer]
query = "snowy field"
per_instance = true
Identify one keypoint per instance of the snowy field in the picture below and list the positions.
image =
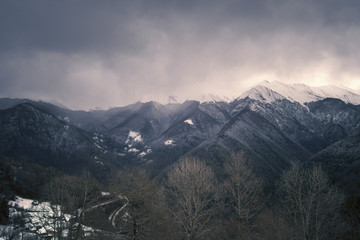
(32, 218)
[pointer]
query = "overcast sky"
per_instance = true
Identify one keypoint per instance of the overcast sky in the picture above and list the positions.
(87, 53)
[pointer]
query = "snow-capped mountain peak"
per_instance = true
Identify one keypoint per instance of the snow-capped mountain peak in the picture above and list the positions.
(262, 94)
(270, 91)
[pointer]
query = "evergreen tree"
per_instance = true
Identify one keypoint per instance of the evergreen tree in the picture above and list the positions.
(4, 211)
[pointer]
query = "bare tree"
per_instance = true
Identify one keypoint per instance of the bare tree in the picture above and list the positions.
(4, 210)
(192, 191)
(60, 195)
(68, 197)
(244, 188)
(311, 203)
(9, 232)
(87, 188)
(137, 218)
(352, 213)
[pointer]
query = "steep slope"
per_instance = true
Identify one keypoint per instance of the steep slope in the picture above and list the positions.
(150, 119)
(271, 151)
(28, 133)
(192, 123)
(294, 120)
(342, 160)
(307, 115)
(87, 120)
(192, 118)
(307, 129)
(335, 111)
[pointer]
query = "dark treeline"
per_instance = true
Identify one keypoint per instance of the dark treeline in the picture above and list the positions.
(188, 202)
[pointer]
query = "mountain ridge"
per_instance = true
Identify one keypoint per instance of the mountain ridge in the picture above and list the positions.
(301, 93)
(295, 92)
(274, 129)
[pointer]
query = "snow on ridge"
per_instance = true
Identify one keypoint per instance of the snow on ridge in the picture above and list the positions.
(340, 93)
(300, 93)
(189, 121)
(262, 93)
(271, 91)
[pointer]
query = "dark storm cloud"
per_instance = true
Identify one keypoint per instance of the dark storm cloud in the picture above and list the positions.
(106, 53)
(65, 26)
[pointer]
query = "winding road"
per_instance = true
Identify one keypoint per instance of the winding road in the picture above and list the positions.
(114, 214)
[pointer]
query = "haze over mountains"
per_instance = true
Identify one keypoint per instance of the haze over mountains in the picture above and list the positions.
(279, 125)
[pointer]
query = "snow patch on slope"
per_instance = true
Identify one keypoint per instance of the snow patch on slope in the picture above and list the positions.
(135, 144)
(169, 142)
(144, 153)
(134, 150)
(134, 136)
(189, 121)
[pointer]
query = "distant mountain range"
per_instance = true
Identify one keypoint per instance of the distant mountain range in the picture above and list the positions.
(279, 125)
